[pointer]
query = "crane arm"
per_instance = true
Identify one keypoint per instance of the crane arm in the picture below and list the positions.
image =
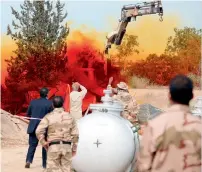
(128, 13)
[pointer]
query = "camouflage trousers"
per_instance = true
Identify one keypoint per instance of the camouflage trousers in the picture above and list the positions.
(59, 158)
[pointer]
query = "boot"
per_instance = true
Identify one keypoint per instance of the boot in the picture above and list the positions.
(27, 165)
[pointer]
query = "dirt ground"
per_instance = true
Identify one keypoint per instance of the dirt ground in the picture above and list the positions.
(13, 159)
(157, 97)
(14, 145)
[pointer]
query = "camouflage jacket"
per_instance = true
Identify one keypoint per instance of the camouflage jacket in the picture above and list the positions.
(130, 106)
(171, 142)
(61, 127)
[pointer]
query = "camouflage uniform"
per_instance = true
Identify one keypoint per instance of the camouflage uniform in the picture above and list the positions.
(61, 127)
(130, 105)
(172, 142)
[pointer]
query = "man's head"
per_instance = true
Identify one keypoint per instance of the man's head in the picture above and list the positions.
(181, 90)
(43, 92)
(58, 102)
(122, 86)
(75, 86)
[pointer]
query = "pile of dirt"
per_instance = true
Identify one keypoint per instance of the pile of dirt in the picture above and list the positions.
(13, 130)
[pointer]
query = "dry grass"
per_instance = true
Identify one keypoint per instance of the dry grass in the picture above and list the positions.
(195, 78)
(140, 83)
(144, 83)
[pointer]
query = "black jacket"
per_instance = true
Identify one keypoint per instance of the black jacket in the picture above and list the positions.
(38, 109)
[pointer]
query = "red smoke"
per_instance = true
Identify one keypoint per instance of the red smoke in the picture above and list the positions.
(86, 65)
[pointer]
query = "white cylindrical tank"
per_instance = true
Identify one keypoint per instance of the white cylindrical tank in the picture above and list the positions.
(106, 140)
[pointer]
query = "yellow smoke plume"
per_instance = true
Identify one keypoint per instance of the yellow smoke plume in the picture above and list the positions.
(152, 37)
(7, 48)
(152, 34)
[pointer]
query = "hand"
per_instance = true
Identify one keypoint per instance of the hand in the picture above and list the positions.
(46, 146)
(110, 80)
(114, 91)
(140, 132)
(77, 83)
(73, 153)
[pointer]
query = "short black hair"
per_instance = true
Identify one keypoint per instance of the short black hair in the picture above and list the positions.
(58, 102)
(181, 89)
(43, 92)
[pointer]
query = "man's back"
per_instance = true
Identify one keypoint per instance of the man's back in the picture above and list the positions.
(38, 109)
(62, 137)
(172, 142)
(76, 101)
(130, 105)
(60, 124)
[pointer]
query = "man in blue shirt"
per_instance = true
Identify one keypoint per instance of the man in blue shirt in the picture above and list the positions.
(38, 108)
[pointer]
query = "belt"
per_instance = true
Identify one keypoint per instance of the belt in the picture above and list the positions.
(59, 142)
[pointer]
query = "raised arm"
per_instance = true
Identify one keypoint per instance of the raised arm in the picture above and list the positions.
(109, 87)
(83, 90)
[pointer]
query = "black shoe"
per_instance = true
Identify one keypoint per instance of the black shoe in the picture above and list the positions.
(27, 165)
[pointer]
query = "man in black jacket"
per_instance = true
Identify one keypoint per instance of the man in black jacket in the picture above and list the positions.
(37, 109)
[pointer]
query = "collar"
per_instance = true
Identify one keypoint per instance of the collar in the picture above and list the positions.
(59, 109)
(74, 91)
(178, 107)
(43, 98)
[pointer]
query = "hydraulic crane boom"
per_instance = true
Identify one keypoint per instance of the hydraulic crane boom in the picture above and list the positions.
(129, 12)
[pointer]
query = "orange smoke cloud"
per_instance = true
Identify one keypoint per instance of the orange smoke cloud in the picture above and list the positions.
(152, 34)
(7, 48)
(152, 37)
(83, 38)
(81, 35)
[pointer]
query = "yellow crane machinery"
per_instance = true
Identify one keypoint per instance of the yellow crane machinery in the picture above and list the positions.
(129, 13)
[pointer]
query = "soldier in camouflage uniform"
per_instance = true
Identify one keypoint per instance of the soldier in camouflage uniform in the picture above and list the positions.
(129, 102)
(62, 137)
(172, 141)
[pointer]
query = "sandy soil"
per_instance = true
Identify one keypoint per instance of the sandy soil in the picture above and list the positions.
(13, 159)
(157, 97)
(12, 128)
(14, 146)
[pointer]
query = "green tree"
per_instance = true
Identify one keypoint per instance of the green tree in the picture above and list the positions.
(40, 57)
(41, 41)
(186, 44)
(158, 69)
(127, 48)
